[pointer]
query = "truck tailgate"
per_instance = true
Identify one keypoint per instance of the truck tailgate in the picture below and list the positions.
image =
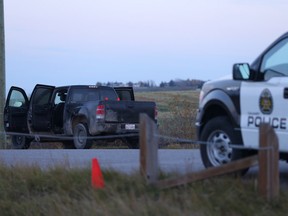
(127, 111)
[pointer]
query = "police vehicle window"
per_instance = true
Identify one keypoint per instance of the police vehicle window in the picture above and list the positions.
(275, 61)
(17, 99)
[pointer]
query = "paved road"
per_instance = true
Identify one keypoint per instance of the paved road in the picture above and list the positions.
(122, 160)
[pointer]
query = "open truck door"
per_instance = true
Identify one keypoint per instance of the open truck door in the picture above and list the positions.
(39, 113)
(15, 117)
(15, 111)
(23, 116)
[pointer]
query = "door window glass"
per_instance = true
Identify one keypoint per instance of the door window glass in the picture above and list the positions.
(275, 61)
(17, 99)
(42, 96)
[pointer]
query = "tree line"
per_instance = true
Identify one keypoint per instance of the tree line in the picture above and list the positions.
(189, 83)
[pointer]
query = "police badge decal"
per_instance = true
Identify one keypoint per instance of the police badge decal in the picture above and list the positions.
(266, 102)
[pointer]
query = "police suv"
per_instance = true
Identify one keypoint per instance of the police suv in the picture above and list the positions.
(231, 110)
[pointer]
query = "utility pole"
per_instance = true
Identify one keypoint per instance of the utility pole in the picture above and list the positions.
(2, 76)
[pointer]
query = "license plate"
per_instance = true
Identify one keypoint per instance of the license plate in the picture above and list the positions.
(130, 126)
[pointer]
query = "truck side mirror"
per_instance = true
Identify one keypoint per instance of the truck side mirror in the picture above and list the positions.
(241, 71)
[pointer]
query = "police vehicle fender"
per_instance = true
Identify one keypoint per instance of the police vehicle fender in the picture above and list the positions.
(216, 103)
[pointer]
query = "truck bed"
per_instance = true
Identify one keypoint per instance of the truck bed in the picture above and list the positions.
(127, 111)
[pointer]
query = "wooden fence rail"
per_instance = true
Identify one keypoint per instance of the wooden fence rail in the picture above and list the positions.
(267, 160)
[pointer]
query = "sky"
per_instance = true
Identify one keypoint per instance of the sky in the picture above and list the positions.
(65, 42)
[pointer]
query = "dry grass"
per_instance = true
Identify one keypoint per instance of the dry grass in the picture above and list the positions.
(176, 113)
(30, 191)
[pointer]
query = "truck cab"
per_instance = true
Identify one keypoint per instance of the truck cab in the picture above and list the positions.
(40, 114)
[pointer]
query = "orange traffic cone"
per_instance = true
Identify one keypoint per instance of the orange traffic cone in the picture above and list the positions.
(96, 176)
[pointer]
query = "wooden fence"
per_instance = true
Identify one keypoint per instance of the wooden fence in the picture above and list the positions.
(267, 160)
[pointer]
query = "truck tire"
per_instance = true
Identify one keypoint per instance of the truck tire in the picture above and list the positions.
(220, 133)
(20, 142)
(81, 137)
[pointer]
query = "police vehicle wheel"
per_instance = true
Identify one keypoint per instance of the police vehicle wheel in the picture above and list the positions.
(218, 133)
(81, 137)
(20, 142)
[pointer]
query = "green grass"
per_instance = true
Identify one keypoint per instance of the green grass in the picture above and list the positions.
(30, 191)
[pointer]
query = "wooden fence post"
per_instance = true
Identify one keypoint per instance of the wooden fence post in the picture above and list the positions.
(148, 149)
(268, 176)
(2, 76)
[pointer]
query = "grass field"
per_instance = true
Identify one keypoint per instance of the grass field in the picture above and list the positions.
(30, 191)
(176, 113)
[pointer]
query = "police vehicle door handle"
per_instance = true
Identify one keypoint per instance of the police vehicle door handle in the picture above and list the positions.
(285, 95)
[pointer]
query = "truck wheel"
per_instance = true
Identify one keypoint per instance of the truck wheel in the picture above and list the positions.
(81, 137)
(219, 134)
(20, 142)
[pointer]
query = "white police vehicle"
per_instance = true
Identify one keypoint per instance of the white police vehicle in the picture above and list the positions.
(231, 110)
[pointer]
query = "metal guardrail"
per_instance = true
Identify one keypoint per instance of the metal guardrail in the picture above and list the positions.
(37, 139)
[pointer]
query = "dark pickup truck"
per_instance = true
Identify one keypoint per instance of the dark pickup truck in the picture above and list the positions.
(75, 115)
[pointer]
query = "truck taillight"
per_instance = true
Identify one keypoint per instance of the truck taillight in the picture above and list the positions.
(100, 112)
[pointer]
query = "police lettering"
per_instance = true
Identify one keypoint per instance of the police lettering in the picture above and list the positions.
(276, 123)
